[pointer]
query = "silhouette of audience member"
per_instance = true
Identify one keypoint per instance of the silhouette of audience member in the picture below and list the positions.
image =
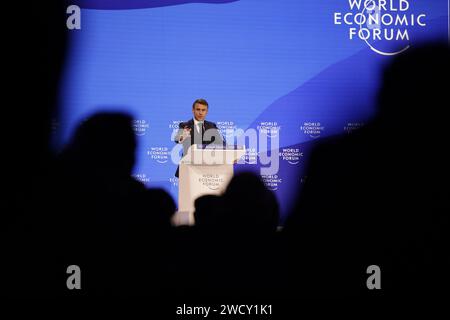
(208, 212)
(232, 249)
(380, 195)
(249, 224)
(111, 225)
(34, 42)
(251, 208)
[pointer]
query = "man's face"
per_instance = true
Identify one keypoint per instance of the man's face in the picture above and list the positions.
(200, 111)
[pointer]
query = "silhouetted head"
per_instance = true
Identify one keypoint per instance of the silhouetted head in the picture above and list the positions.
(249, 205)
(162, 204)
(414, 94)
(104, 143)
(207, 211)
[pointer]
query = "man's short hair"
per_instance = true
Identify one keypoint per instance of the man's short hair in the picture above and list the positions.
(200, 101)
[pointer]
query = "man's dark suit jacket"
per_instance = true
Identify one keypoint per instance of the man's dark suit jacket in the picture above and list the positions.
(207, 125)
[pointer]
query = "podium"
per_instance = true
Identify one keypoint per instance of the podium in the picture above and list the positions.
(205, 169)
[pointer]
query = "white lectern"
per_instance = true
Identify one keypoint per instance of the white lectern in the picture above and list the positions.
(205, 169)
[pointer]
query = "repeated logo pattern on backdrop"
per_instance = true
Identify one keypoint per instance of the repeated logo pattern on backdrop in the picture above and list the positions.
(287, 72)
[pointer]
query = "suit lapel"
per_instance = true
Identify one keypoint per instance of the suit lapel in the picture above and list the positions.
(190, 124)
(208, 125)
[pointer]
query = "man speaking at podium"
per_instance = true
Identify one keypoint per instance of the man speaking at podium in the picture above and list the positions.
(198, 130)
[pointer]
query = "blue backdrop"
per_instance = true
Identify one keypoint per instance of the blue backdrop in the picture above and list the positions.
(300, 70)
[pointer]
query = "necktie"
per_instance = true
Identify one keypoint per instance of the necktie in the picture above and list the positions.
(200, 129)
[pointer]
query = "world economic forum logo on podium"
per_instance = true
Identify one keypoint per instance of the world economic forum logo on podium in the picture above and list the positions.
(384, 25)
(212, 181)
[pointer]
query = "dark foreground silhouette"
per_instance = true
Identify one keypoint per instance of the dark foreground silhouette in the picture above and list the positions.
(376, 197)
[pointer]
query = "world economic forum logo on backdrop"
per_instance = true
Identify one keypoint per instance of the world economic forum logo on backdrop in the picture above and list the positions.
(291, 155)
(140, 127)
(174, 124)
(142, 177)
(174, 182)
(159, 154)
(272, 182)
(383, 25)
(251, 156)
(312, 129)
(270, 128)
(353, 126)
(226, 126)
